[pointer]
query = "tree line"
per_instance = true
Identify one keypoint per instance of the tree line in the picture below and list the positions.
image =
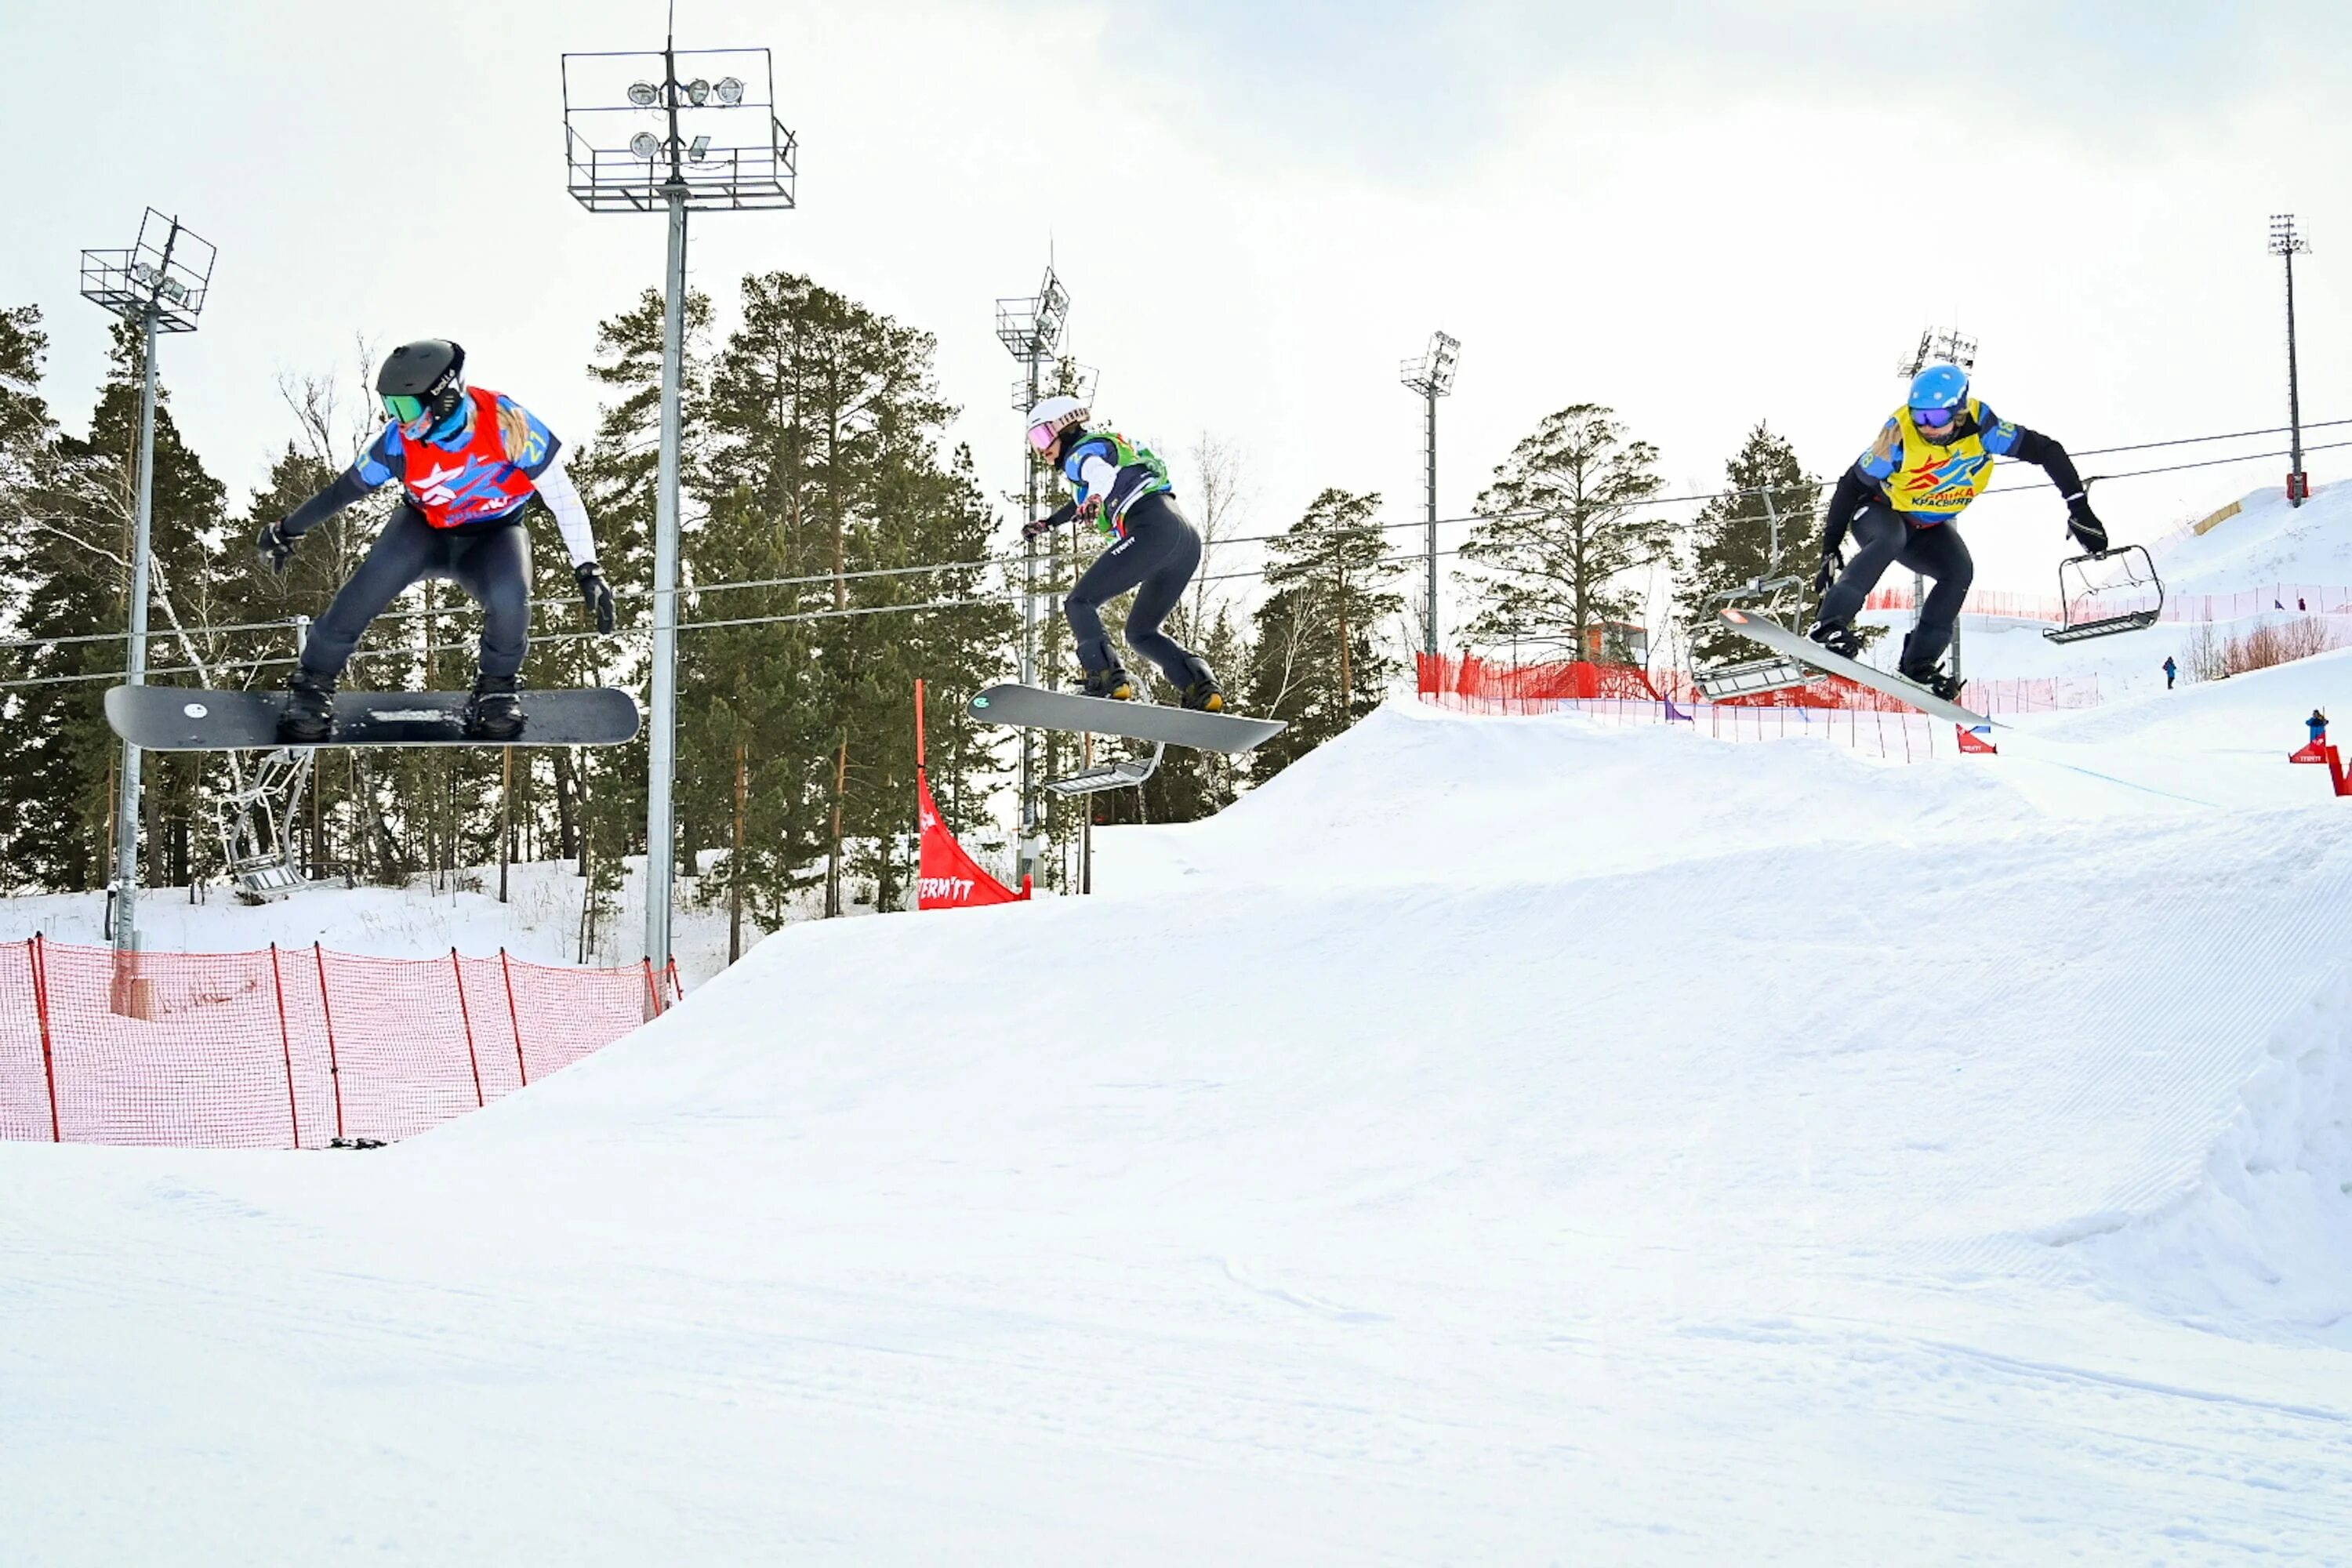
(817, 476)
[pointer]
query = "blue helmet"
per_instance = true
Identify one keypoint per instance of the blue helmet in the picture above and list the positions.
(1941, 388)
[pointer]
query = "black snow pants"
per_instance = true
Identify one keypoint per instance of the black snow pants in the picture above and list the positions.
(490, 560)
(1157, 558)
(1882, 539)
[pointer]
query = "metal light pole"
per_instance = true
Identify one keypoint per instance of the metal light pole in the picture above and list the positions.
(160, 283)
(678, 169)
(2287, 244)
(1030, 328)
(1432, 375)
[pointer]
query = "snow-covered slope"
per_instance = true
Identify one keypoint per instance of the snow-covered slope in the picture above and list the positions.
(2267, 542)
(1497, 1140)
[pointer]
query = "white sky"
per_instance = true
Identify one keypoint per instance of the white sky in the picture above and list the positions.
(1700, 214)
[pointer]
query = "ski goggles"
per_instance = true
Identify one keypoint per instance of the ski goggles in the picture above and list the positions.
(1935, 418)
(1042, 437)
(404, 410)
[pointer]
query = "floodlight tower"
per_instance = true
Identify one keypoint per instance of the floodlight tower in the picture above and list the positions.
(1432, 375)
(1947, 345)
(660, 142)
(1030, 330)
(2287, 244)
(159, 284)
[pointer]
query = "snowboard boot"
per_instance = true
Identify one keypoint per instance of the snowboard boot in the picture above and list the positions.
(308, 716)
(1933, 677)
(1201, 693)
(496, 712)
(1928, 673)
(1838, 637)
(1112, 683)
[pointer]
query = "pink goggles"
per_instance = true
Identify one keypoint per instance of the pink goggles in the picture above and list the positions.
(1042, 436)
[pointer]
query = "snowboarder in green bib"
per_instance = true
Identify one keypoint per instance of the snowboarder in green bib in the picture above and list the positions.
(1124, 490)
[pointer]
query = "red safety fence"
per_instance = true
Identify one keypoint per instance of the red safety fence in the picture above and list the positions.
(287, 1047)
(1471, 683)
(2301, 598)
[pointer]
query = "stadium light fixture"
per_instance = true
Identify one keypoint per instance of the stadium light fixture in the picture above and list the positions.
(744, 163)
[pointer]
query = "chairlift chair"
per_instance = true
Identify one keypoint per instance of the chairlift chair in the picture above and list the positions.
(2089, 609)
(1127, 772)
(1752, 676)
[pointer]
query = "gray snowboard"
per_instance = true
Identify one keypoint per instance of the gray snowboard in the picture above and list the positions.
(1033, 708)
(1781, 639)
(193, 719)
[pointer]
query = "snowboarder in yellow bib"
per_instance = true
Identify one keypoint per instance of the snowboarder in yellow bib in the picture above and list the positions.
(1124, 490)
(1899, 502)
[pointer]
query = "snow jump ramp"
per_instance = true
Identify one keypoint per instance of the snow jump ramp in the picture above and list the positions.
(1496, 1141)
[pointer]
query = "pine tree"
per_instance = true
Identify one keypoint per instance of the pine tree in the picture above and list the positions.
(826, 472)
(71, 567)
(1562, 529)
(1317, 662)
(38, 846)
(1769, 497)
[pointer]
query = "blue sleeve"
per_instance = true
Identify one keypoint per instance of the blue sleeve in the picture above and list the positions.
(2000, 436)
(1885, 455)
(382, 459)
(530, 444)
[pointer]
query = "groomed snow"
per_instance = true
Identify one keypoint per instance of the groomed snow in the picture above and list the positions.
(1496, 1140)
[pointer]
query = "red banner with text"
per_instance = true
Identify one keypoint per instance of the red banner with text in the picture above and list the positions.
(948, 878)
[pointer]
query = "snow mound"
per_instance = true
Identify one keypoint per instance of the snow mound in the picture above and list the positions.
(1493, 1135)
(2267, 542)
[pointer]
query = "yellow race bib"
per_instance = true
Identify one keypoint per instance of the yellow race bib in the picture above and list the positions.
(1938, 481)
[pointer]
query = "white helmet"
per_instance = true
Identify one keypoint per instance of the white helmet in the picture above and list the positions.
(1054, 416)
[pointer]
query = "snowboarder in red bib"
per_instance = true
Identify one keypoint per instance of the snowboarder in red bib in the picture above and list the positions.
(1124, 490)
(467, 459)
(1900, 500)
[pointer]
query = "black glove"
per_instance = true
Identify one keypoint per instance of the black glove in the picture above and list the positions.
(1833, 562)
(275, 547)
(2085, 525)
(597, 593)
(1036, 527)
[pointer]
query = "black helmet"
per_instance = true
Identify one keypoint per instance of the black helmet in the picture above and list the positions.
(422, 378)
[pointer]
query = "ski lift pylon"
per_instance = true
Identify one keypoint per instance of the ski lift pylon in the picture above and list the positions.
(2090, 609)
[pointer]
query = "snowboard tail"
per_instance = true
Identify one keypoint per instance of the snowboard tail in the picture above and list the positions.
(1781, 639)
(195, 719)
(1031, 707)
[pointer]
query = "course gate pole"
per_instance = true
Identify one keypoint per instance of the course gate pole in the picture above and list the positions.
(506, 968)
(36, 955)
(285, 1045)
(326, 1011)
(466, 1016)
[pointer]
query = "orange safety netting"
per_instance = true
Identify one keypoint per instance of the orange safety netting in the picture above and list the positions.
(1499, 685)
(2306, 598)
(287, 1047)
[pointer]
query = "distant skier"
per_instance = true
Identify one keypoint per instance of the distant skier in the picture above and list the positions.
(467, 459)
(2317, 725)
(1125, 491)
(1934, 456)
(2170, 670)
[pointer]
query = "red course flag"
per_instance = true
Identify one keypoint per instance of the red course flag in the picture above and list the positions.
(950, 878)
(1972, 741)
(947, 878)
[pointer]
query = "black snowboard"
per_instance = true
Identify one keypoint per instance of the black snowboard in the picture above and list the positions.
(1033, 708)
(193, 719)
